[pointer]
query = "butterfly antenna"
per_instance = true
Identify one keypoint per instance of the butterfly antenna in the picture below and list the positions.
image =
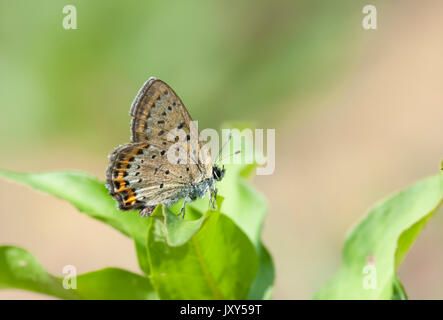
(230, 155)
(223, 147)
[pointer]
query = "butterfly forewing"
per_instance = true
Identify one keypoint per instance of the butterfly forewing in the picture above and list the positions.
(157, 110)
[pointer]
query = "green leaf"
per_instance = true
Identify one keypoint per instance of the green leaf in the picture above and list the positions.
(399, 292)
(178, 231)
(243, 204)
(20, 270)
(89, 195)
(140, 250)
(218, 262)
(263, 285)
(384, 235)
(114, 284)
(246, 207)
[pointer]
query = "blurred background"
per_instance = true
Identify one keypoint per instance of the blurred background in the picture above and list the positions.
(358, 114)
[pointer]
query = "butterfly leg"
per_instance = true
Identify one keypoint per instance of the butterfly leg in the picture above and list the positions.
(213, 198)
(182, 210)
(146, 211)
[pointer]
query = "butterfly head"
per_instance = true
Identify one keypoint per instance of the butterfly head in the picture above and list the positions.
(218, 173)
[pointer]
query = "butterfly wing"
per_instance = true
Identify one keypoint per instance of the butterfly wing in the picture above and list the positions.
(158, 110)
(140, 174)
(121, 174)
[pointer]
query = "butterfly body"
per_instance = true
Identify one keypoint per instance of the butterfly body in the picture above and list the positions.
(141, 174)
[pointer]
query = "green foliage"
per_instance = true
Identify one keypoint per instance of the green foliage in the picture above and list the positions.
(217, 262)
(209, 255)
(217, 254)
(20, 270)
(384, 236)
(88, 194)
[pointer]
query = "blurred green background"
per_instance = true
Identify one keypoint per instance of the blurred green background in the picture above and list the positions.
(357, 115)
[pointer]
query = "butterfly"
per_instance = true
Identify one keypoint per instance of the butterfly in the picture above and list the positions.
(141, 175)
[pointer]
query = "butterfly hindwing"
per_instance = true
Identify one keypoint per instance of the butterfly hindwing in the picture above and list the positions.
(140, 175)
(123, 168)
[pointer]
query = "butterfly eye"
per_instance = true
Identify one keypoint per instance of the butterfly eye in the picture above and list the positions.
(217, 173)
